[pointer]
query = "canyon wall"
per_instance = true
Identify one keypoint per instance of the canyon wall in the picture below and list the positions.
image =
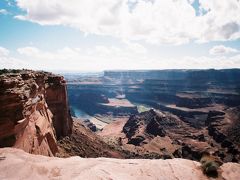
(56, 97)
(34, 111)
(199, 111)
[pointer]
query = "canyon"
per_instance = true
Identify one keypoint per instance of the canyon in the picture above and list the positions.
(175, 116)
(163, 113)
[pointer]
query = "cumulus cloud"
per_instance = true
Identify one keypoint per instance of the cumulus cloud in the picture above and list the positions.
(222, 50)
(3, 52)
(98, 58)
(155, 21)
(135, 47)
(28, 51)
(106, 58)
(7, 61)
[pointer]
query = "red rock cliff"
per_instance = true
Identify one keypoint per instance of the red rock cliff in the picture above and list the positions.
(56, 97)
(33, 110)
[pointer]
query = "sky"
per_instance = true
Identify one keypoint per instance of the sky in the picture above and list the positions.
(96, 35)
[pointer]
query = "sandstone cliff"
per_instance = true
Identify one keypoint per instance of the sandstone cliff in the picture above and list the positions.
(41, 167)
(56, 97)
(33, 111)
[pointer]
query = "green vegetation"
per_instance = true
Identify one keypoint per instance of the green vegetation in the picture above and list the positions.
(210, 165)
(4, 71)
(142, 108)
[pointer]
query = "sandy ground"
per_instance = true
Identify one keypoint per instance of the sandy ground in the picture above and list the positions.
(114, 128)
(99, 124)
(16, 164)
(214, 107)
(119, 102)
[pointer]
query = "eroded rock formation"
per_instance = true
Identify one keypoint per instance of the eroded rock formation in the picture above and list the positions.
(164, 134)
(33, 110)
(156, 134)
(224, 128)
(199, 111)
(84, 143)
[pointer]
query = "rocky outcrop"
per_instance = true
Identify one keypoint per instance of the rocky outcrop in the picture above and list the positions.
(84, 143)
(33, 110)
(169, 136)
(90, 125)
(165, 135)
(149, 124)
(224, 128)
(56, 97)
(40, 167)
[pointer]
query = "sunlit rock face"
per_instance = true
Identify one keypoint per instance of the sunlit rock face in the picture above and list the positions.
(33, 110)
(56, 97)
(41, 167)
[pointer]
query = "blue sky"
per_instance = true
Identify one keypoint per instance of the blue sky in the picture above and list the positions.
(88, 35)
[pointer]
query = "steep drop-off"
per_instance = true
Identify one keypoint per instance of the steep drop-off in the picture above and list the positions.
(85, 143)
(34, 109)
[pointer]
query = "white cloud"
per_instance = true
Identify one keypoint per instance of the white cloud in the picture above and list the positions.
(3, 52)
(28, 51)
(103, 50)
(3, 11)
(191, 1)
(159, 21)
(135, 47)
(6, 61)
(105, 58)
(222, 50)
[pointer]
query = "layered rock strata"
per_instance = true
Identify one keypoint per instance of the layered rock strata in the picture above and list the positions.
(33, 111)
